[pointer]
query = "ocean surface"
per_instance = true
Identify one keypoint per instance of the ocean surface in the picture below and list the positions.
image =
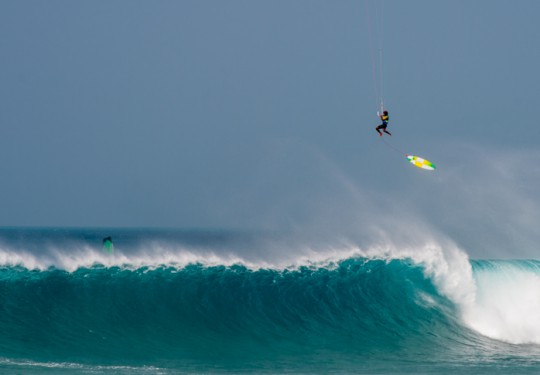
(175, 302)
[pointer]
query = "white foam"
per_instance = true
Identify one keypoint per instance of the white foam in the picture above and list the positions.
(439, 263)
(507, 304)
(86, 257)
(75, 366)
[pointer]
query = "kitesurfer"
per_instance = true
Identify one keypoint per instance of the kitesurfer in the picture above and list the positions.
(384, 118)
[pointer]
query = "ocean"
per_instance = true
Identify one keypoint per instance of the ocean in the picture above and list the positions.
(213, 302)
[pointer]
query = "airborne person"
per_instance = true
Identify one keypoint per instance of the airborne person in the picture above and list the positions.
(384, 117)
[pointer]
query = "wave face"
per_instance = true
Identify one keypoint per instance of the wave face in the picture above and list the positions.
(200, 310)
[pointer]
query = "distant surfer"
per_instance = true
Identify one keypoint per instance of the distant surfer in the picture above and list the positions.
(384, 118)
(108, 245)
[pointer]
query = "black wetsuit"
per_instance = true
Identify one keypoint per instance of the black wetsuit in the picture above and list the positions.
(383, 126)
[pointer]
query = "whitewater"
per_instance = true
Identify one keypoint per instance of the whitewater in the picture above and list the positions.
(229, 302)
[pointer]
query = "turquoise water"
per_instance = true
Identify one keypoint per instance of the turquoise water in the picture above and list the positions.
(196, 307)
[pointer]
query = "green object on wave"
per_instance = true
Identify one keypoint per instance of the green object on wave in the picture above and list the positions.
(108, 245)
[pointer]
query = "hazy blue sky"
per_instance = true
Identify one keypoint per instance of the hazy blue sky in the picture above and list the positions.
(261, 114)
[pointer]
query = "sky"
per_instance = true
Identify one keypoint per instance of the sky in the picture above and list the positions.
(260, 115)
